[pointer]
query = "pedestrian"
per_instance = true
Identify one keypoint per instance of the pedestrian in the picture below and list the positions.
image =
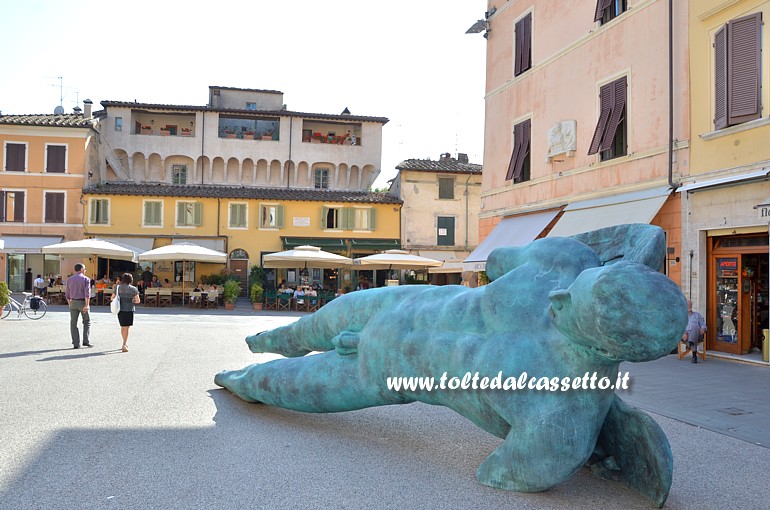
(696, 328)
(129, 297)
(28, 278)
(78, 294)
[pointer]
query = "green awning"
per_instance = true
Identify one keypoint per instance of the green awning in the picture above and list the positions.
(325, 243)
(375, 244)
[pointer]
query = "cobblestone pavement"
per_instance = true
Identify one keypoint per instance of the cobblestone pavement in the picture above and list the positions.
(97, 428)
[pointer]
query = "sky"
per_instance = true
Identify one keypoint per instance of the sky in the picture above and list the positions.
(407, 60)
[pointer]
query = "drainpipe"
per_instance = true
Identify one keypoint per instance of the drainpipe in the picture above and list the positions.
(467, 210)
(203, 152)
(288, 178)
(671, 96)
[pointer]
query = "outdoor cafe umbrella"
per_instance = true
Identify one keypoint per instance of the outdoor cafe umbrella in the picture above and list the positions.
(305, 257)
(91, 248)
(395, 259)
(186, 252)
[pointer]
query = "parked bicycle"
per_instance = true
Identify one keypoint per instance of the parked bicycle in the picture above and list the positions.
(33, 307)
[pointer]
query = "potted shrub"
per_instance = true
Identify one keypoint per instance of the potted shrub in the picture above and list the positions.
(5, 295)
(232, 289)
(256, 296)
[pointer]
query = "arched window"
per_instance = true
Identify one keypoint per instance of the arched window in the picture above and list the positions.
(239, 254)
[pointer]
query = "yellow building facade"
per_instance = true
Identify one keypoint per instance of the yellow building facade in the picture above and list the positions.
(725, 198)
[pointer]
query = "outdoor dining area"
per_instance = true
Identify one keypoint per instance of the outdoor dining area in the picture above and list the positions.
(304, 297)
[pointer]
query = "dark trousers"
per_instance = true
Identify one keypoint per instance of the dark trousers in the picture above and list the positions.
(76, 310)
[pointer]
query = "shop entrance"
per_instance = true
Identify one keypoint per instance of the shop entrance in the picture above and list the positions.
(738, 296)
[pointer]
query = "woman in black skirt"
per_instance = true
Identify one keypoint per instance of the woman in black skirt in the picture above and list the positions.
(129, 296)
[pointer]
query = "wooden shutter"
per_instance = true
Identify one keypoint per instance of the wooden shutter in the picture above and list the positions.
(104, 210)
(197, 214)
(720, 78)
(14, 157)
(526, 43)
(180, 213)
(601, 6)
(152, 213)
(325, 217)
(446, 187)
(372, 218)
(279, 216)
(56, 155)
(447, 223)
(618, 89)
(346, 219)
(94, 212)
(521, 133)
(518, 44)
(18, 206)
(613, 101)
(743, 67)
(54, 207)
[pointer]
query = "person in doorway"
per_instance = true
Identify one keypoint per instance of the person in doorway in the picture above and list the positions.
(129, 297)
(696, 328)
(28, 278)
(40, 286)
(78, 295)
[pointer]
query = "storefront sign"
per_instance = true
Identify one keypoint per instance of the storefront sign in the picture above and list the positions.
(764, 212)
(727, 266)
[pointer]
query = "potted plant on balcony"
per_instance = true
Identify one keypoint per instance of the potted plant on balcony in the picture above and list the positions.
(146, 130)
(232, 289)
(256, 296)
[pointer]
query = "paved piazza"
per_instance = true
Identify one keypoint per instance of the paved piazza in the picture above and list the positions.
(99, 429)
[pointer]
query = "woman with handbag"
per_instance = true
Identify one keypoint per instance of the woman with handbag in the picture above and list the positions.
(127, 296)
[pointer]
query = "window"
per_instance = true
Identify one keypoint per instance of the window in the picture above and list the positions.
(334, 217)
(445, 235)
(15, 157)
(238, 216)
(56, 159)
(321, 178)
(363, 218)
(118, 123)
(189, 214)
(12, 203)
(153, 213)
(271, 216)
(54, 207)
(178, 174)
(523, 49)
(518, 168)
(737, 71)
(251, 106)
(446, 187)
(100, 212)
(607, 10)
(610, 134)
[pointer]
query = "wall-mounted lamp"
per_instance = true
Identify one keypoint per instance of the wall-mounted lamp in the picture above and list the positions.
(152, 121)
(481, 25)
(90, 174)
(192, 123)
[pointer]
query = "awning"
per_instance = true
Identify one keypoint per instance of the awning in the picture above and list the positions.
(375, 244)
(513, 231)
(211, 244)
(325, 243)
(439, 255)
(636, 207)
(725, 181)
(449, 266)
(28, 244)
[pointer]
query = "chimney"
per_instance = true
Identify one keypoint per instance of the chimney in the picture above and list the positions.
(445, 157)
(87, 108)
(76, 110)
(462, 158)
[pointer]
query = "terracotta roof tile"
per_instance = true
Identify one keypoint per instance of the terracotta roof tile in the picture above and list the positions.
(243, 192)
(58, 120)
(448, 165)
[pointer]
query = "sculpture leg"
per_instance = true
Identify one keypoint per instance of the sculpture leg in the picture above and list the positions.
(321, 383)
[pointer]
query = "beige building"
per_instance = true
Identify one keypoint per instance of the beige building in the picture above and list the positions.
(439, 216)
(725, 200)
(45, 163)
(577, 120)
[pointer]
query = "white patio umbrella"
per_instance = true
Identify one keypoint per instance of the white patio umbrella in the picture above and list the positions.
(186, 252)
(305, 257)
(395, 259)
(91, 248)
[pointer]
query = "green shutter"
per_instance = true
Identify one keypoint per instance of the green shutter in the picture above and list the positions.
(198, 214)
(372, 218)
(279, 216)
(324, 215)
(180, 208)
(347, 218)
(93, 212)
(157, 213)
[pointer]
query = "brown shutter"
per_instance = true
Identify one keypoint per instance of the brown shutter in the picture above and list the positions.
(54, 207)
(517, 56)
(618, 107)
(601, 6)
(743, 53)
(18, 209)
(605, 100)
(518, 137)
(15, 153)
(522, 58)
(720, 78)
(56, 155)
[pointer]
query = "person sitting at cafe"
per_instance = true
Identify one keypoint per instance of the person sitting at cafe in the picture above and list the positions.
(105, 280)
(39, 286)
(58, 280)
(299, 295)
(213, 287)
(198, 287)
(166, 283)
(155, 282)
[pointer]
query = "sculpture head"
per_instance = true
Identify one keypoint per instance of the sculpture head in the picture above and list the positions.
(625, 311)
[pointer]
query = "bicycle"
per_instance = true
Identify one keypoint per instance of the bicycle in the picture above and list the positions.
(26, 307)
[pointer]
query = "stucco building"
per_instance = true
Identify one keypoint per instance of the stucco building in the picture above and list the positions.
(577, 120)
(439, 216)
(46, 160)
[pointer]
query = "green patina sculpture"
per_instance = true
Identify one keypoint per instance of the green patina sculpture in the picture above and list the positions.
(556, 307)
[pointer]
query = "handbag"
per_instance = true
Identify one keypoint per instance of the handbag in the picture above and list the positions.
(115, 303)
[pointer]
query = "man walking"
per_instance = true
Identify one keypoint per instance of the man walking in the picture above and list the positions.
(696, 328)
(78, 294)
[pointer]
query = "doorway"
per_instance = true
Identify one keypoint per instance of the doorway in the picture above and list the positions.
(239, 267)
